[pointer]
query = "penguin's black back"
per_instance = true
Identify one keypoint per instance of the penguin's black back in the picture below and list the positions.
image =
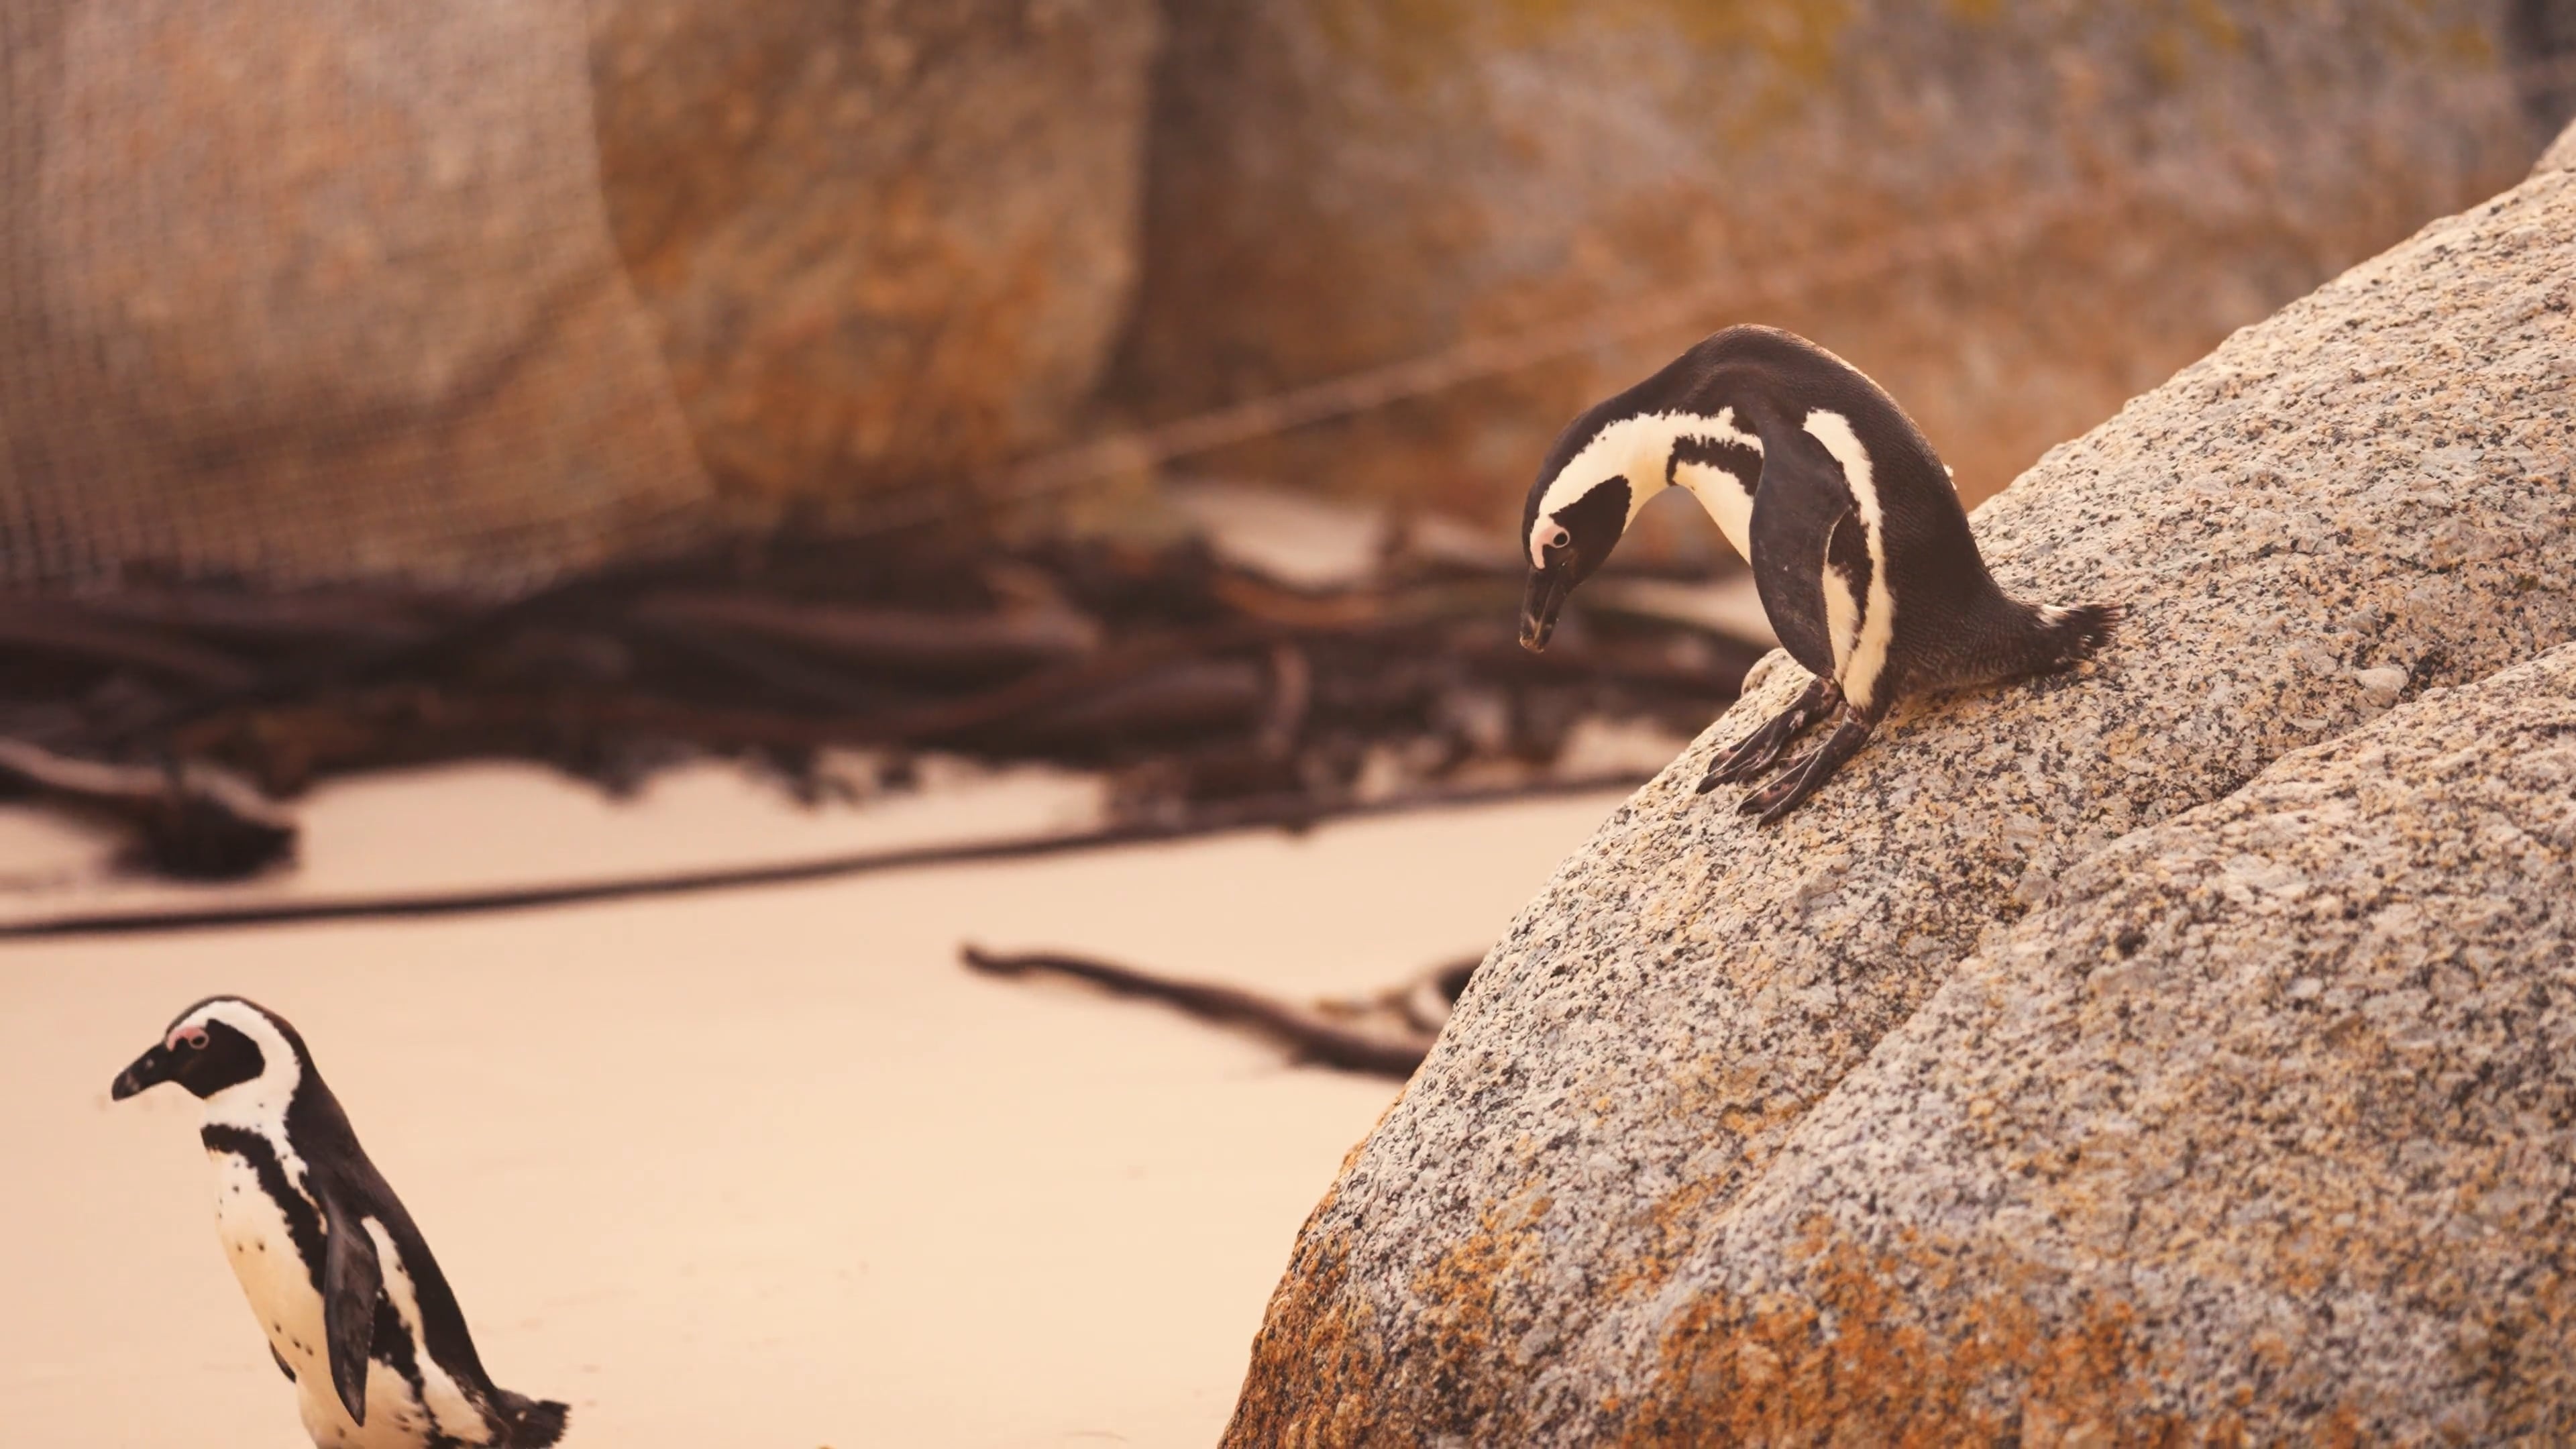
(320, 1130)
(338, 1171)
(1764, 366)
(1954, 625)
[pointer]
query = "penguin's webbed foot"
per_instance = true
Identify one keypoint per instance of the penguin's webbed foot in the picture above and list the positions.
(1799, 778)
(1755, 752)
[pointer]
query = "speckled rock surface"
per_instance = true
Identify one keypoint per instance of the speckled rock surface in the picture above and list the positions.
(2260, 1132)
(2364, 497)
(886, 241)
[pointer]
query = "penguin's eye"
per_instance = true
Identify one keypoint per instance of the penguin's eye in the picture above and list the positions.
(191, 1037)
(1560, 537)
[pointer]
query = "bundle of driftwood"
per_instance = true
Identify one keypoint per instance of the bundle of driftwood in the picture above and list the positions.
(1195, 683)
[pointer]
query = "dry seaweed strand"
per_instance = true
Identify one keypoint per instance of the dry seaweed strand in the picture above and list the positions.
(1276, 814)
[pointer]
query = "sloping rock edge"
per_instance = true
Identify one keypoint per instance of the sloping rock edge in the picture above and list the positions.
(2366, 495)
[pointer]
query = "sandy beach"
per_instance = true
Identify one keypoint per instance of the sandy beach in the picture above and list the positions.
(758, 1168)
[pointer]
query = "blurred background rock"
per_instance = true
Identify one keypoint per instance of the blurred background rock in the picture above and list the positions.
(317, 290)
(1336, 182)
(887, 244)
(487, 292)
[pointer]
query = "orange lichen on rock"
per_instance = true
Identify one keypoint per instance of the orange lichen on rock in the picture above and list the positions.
(1312, 1374)
(1848, 1358)
(1342, 1384)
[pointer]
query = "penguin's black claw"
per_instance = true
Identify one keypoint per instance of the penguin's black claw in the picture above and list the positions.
(1800, 777)
(1755, 753)
(1749, 758)
(1785, 793)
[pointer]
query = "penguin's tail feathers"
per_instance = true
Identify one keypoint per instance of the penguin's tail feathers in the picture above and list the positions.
(531, 1423)
(2067, 635)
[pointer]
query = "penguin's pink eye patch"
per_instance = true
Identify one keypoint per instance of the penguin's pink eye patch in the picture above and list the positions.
(1545, 534)
(191, 1037)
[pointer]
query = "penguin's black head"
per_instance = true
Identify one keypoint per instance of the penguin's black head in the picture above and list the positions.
(1576, 512)
(201, 1052)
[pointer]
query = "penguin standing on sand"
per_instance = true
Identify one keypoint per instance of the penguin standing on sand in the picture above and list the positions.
(356, 1312)
(1860, 550)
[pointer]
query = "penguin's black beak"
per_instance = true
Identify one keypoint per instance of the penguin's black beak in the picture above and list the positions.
(149, 1070)
(1547, 590)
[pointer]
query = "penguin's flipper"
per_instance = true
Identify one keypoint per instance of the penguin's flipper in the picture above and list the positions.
(352, 1280)
(1801, 498)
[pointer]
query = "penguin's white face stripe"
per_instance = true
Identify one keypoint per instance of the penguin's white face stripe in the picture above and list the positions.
(1545, 533)
(1859, 673)
(262, 1100)
(1639, 449)
(258, 1105)
(451, 1413)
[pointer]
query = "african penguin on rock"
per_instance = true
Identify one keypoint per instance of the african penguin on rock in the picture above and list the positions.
(356, 1312)
(1860, 550)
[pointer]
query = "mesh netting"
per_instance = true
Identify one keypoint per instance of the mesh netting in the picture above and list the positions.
(317, 291)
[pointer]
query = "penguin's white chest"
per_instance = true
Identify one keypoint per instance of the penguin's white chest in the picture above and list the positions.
(273, 1276)
(1728, 501)
(280, 1290)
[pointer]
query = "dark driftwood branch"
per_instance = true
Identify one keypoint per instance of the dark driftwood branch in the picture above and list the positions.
(1387, 1034)
(1308, 1032)
(1295, 813)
